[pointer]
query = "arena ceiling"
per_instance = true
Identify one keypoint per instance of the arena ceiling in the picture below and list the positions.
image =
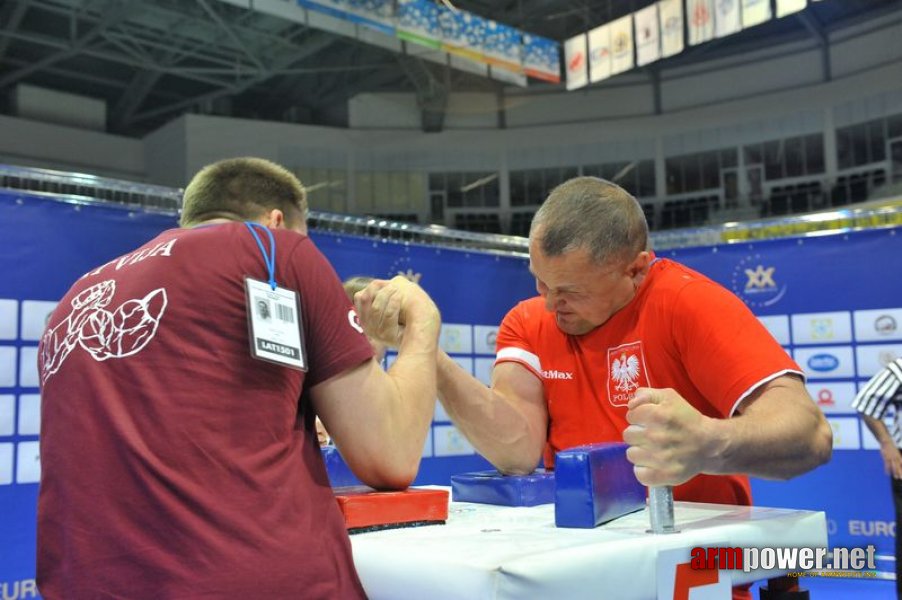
(152, 60)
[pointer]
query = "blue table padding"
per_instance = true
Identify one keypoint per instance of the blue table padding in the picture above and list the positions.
(492, 487)
(340, 474)
(595, 484)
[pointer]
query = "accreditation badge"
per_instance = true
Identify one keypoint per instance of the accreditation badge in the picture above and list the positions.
(274, 324)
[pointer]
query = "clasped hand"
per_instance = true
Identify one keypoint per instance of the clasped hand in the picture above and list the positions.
(387, 307)
(669, 439)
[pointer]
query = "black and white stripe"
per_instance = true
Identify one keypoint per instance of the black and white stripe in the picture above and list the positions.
(882, 391)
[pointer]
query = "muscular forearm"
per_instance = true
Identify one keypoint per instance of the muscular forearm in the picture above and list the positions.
(780, 435)
(508, 436)
(409, 404)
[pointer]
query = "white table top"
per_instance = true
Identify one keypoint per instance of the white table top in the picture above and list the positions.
(499, 552)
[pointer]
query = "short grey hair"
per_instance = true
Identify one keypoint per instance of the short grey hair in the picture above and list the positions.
(591, 213)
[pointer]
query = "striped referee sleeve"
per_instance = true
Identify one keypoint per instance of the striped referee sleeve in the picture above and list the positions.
(877, 394)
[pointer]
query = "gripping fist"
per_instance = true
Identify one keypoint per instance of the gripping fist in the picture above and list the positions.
(388, 308)
(669, 439)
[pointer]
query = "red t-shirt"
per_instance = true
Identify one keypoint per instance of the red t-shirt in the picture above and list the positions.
(681, 331)
(174, 465)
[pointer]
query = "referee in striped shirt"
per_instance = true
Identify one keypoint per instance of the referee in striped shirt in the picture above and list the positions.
(885, 389)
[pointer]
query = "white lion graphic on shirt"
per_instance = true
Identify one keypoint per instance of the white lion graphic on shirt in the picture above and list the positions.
(104, 334)
(625, 372)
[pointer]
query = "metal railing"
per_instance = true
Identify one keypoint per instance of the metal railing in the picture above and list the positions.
(89, 189)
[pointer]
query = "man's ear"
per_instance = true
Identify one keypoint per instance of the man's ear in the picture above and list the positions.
(640, 264)
(275, 219)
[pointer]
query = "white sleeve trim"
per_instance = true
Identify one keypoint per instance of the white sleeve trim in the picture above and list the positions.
(755, 386)
(521, 356)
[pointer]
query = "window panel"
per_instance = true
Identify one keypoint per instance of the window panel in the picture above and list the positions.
(859, 145)
(646, 178)
(814, 154)
(877, 141)
(692, 173)
(794, 158)
(773, 160)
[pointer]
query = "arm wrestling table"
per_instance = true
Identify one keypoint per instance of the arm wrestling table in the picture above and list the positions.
(499, 552)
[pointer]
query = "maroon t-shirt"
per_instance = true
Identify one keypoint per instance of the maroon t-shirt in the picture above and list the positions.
(174, 465)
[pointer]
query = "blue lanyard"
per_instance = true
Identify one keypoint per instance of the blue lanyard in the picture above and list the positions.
(268, 259)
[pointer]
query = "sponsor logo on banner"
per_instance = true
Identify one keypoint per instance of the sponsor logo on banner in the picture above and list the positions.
(816, 328)
(878, 325)
(456, 339)
(727, 19)
(822, 329)
(402, 267)
(626, 372)
(845, 433)
(448, 441)
(885, 357)
(600, 53)
(701, 16)
(484, 339)
(825, 398)
(576, 62)
(823, 363)
(19, 590)
(670, 13)
(885, 325)
(871, 358)
(833, 397)
(621, 42)
(872, 528)
(756, 283)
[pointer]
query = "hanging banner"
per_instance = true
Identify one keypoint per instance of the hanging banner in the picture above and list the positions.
(787, 7)
(700, 14)
(541, 58)
(670, 13)
(501, 74)
(469, 65)
(576, 62)
(600, 53)
(502, 47)
(622, 45)
(648, 38)
(755, 12)
(417, 22)
(462, 33)
(375, 14)
(728, 18)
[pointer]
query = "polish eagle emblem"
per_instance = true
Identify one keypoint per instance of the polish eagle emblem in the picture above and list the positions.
(625, 372)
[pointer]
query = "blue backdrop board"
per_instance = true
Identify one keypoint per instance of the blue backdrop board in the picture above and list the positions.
(44, 246)
(835, 303)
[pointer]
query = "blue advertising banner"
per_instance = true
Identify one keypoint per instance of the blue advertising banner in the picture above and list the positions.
(835, 303)
(375, 14)
(44, 246)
